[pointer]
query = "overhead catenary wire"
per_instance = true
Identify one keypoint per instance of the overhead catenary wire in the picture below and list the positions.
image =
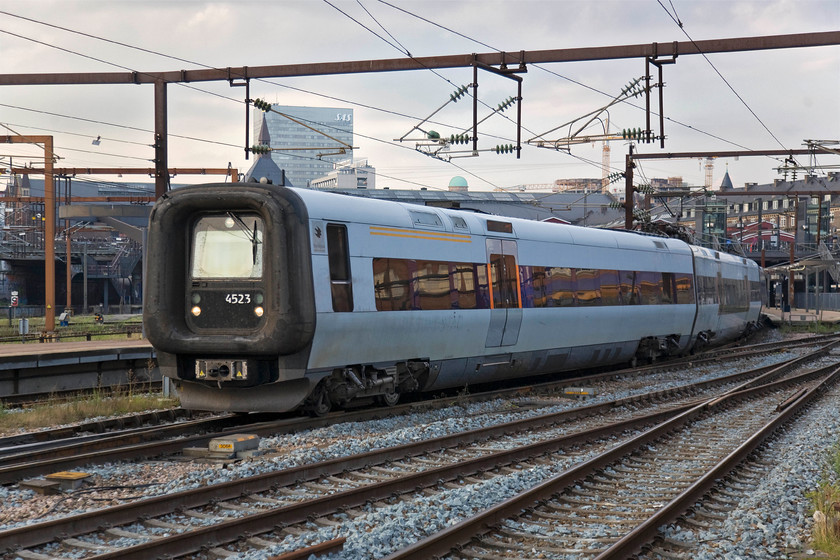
(207, 66)
(405, 51)
(164, 55)
(571, 80)
(235, 100)
(720, 75)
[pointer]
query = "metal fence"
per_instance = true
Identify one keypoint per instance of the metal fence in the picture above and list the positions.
(826, 301)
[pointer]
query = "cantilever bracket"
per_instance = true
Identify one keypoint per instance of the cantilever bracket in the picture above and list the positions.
(658, 62)
(506, 72)
(247, 84)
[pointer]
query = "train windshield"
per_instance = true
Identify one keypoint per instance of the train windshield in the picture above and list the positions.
(228, 246)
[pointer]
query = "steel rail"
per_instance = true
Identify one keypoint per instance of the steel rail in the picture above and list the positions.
(95, 428)
(195, 539)
(80, 448)
(460, 534)
(44, 532)
(41, 533)
(634, 541)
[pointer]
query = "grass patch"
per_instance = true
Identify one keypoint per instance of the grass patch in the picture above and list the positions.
(79, 325)
(816, 327)
(826, 505)
(81, 408)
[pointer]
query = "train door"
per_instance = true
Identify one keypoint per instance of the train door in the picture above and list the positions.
(505, 299)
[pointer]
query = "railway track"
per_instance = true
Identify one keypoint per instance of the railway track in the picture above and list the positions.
(20, 458)
(713, 357)
(136, 529)
(612, 505)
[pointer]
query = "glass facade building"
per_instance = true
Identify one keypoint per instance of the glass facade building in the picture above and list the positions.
(302, 152)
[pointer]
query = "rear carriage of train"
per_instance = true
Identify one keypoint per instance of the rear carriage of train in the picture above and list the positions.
(730, 293)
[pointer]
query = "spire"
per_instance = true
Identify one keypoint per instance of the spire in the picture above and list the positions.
(726, 184)
(264, 138)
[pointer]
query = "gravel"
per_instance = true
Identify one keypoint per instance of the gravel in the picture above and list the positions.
(770, 520)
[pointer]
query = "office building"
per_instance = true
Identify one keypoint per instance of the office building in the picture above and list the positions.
(306, 142)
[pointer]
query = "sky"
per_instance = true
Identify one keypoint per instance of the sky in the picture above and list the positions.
(761, 100)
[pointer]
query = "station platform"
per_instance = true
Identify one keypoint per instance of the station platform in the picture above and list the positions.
(801, 316)
(34, 368)
(35, 353)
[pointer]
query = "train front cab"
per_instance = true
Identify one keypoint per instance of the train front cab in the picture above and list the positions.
(229, 306)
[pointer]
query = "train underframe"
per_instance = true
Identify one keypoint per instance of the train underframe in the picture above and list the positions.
(240, 384)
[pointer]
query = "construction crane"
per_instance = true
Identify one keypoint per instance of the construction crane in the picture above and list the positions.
(605, 156)
(710, 172)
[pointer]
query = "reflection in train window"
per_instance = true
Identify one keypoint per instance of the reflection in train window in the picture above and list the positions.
(407, 284)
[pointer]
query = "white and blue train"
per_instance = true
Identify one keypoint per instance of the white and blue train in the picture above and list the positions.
(261, 298)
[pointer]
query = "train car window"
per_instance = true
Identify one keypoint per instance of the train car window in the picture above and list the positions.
(629, 286)
(227, 246)
(405, 284)
(560, 286)
(482, 284)
(392, 284)
(588, 287)
(707, 289)
(533, 286)
(341, 286)
(610, 292)
(431, 284)
(650, 286)
(669, 288)
(464, 285)
(685, 289)
(504, 281)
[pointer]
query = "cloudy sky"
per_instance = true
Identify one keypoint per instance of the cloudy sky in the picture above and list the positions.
(736, 101)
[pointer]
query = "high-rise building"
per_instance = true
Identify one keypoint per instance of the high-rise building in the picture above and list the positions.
(307, 145)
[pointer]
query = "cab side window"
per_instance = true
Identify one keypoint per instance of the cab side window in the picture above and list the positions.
(341, 286)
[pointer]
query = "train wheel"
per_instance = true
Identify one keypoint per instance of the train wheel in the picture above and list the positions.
(318, 403)
(388, 399)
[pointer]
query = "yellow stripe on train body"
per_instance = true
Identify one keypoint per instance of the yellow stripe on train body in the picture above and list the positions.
(416, 234)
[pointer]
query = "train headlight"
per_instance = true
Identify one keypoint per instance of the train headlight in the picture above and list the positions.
(258, 311)
(196, 311)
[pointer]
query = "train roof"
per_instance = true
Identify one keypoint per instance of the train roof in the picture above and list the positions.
(344, 208)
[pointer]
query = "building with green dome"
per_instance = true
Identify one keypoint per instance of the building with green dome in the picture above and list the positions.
(458, 184)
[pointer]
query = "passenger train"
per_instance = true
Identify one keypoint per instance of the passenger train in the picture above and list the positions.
(265, 298)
